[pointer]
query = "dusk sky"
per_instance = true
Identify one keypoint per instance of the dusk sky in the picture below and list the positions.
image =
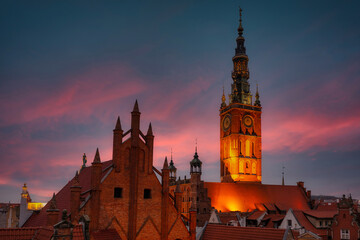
(69, 68)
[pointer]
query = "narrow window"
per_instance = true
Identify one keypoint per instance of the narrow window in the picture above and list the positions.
(147, 193)
(117, 192)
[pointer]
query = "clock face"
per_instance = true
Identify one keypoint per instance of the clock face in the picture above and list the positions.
(248, 122)
(226, 122)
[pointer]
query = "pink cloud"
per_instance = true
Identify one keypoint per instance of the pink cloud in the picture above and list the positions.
(77, 97)
(316, 116)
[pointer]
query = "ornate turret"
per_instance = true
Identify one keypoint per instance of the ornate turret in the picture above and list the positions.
(240, 89)
(195, 164)
(172, 169)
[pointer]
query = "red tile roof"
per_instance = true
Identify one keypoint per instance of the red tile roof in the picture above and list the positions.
(223, 232)
(107, 234)
(304, 222)
(327, 206)
(36, 233)
(255, 215)
(271, 218)
(321, 214)
(244, 196)
(18, 233)
(226, 217)
(63, 196)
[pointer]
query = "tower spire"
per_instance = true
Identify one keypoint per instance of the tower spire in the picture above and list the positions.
(240, 88)
(240, 28)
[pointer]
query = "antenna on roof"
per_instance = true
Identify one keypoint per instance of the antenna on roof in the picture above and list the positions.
(283, 171)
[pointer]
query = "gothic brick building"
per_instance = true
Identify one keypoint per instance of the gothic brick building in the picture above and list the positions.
(122, 194)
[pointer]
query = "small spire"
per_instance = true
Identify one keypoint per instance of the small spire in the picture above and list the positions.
(283, 180)
(97, 156)
(240, 28)
(196, 146)
(166, 165)
(136, 107)
(118, 124)
(149, 132)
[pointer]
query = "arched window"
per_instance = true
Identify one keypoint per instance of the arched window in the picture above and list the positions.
(247, 164)
(241, 166)
(240, 151)
(247, 148)
(253, 168)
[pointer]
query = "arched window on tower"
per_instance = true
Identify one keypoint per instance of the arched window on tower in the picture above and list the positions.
(253, 149)
(253, 168)
(241, 166)
(247, 167)
(240, 151)
(247, 148)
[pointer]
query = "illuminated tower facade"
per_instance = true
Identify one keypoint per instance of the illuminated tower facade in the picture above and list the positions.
(240, 124)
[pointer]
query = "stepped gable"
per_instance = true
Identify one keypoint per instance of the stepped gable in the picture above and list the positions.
(63, 196)
(222, 232)
(225, 196)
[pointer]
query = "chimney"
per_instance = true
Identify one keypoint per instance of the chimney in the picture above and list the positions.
(96, 170)
(52, 213)
(300, 184)
(164, 200)
(192, 228)
(75, 191)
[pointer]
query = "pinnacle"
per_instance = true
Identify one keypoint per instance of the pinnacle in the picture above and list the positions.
(166, 165)
(97, 156)
(149, 132)
(136, 107)
(118, 124)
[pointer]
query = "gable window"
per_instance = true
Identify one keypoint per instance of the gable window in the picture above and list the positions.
(117, 192)
(345, 234)
(147, 193)
(289, 223)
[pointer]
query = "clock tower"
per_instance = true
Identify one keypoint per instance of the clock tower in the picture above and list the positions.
(240, 123)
